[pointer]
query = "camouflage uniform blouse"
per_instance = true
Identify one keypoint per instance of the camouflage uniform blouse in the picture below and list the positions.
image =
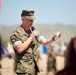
(26, 62)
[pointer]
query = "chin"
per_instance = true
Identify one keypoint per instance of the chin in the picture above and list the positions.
(29, 27)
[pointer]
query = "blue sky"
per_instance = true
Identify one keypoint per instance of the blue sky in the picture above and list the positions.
(46, 11)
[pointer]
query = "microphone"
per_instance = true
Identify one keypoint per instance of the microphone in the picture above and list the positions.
(33, 28)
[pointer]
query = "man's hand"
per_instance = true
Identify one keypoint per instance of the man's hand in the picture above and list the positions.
(35, 33)
(57, 36)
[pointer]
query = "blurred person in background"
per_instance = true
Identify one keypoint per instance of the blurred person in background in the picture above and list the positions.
(43, 54)
(3, 52)
(70, 59)
(25, 40)
(2, 48)
(0, 51)
(10, 50)
(51, 61)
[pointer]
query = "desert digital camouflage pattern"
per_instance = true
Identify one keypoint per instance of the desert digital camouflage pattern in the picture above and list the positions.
(26, 62)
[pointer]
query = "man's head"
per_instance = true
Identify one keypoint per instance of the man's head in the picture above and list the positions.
(28, 14)
(27, 18)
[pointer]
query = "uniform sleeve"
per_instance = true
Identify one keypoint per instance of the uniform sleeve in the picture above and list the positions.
(15, 39)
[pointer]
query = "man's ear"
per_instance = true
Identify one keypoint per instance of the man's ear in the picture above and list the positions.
(22, 18)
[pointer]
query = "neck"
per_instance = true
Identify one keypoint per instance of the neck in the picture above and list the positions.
(25, 27)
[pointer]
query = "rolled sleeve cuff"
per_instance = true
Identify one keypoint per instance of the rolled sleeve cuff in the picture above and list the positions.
(17, 43)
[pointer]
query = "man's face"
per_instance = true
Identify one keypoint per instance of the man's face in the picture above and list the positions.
(27, 22)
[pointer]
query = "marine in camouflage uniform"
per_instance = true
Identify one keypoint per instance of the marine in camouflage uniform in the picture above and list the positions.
(26, 62)
(51, 62)
(25, 43)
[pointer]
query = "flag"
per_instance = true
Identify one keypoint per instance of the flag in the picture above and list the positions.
(0, 4)
(44, 49)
